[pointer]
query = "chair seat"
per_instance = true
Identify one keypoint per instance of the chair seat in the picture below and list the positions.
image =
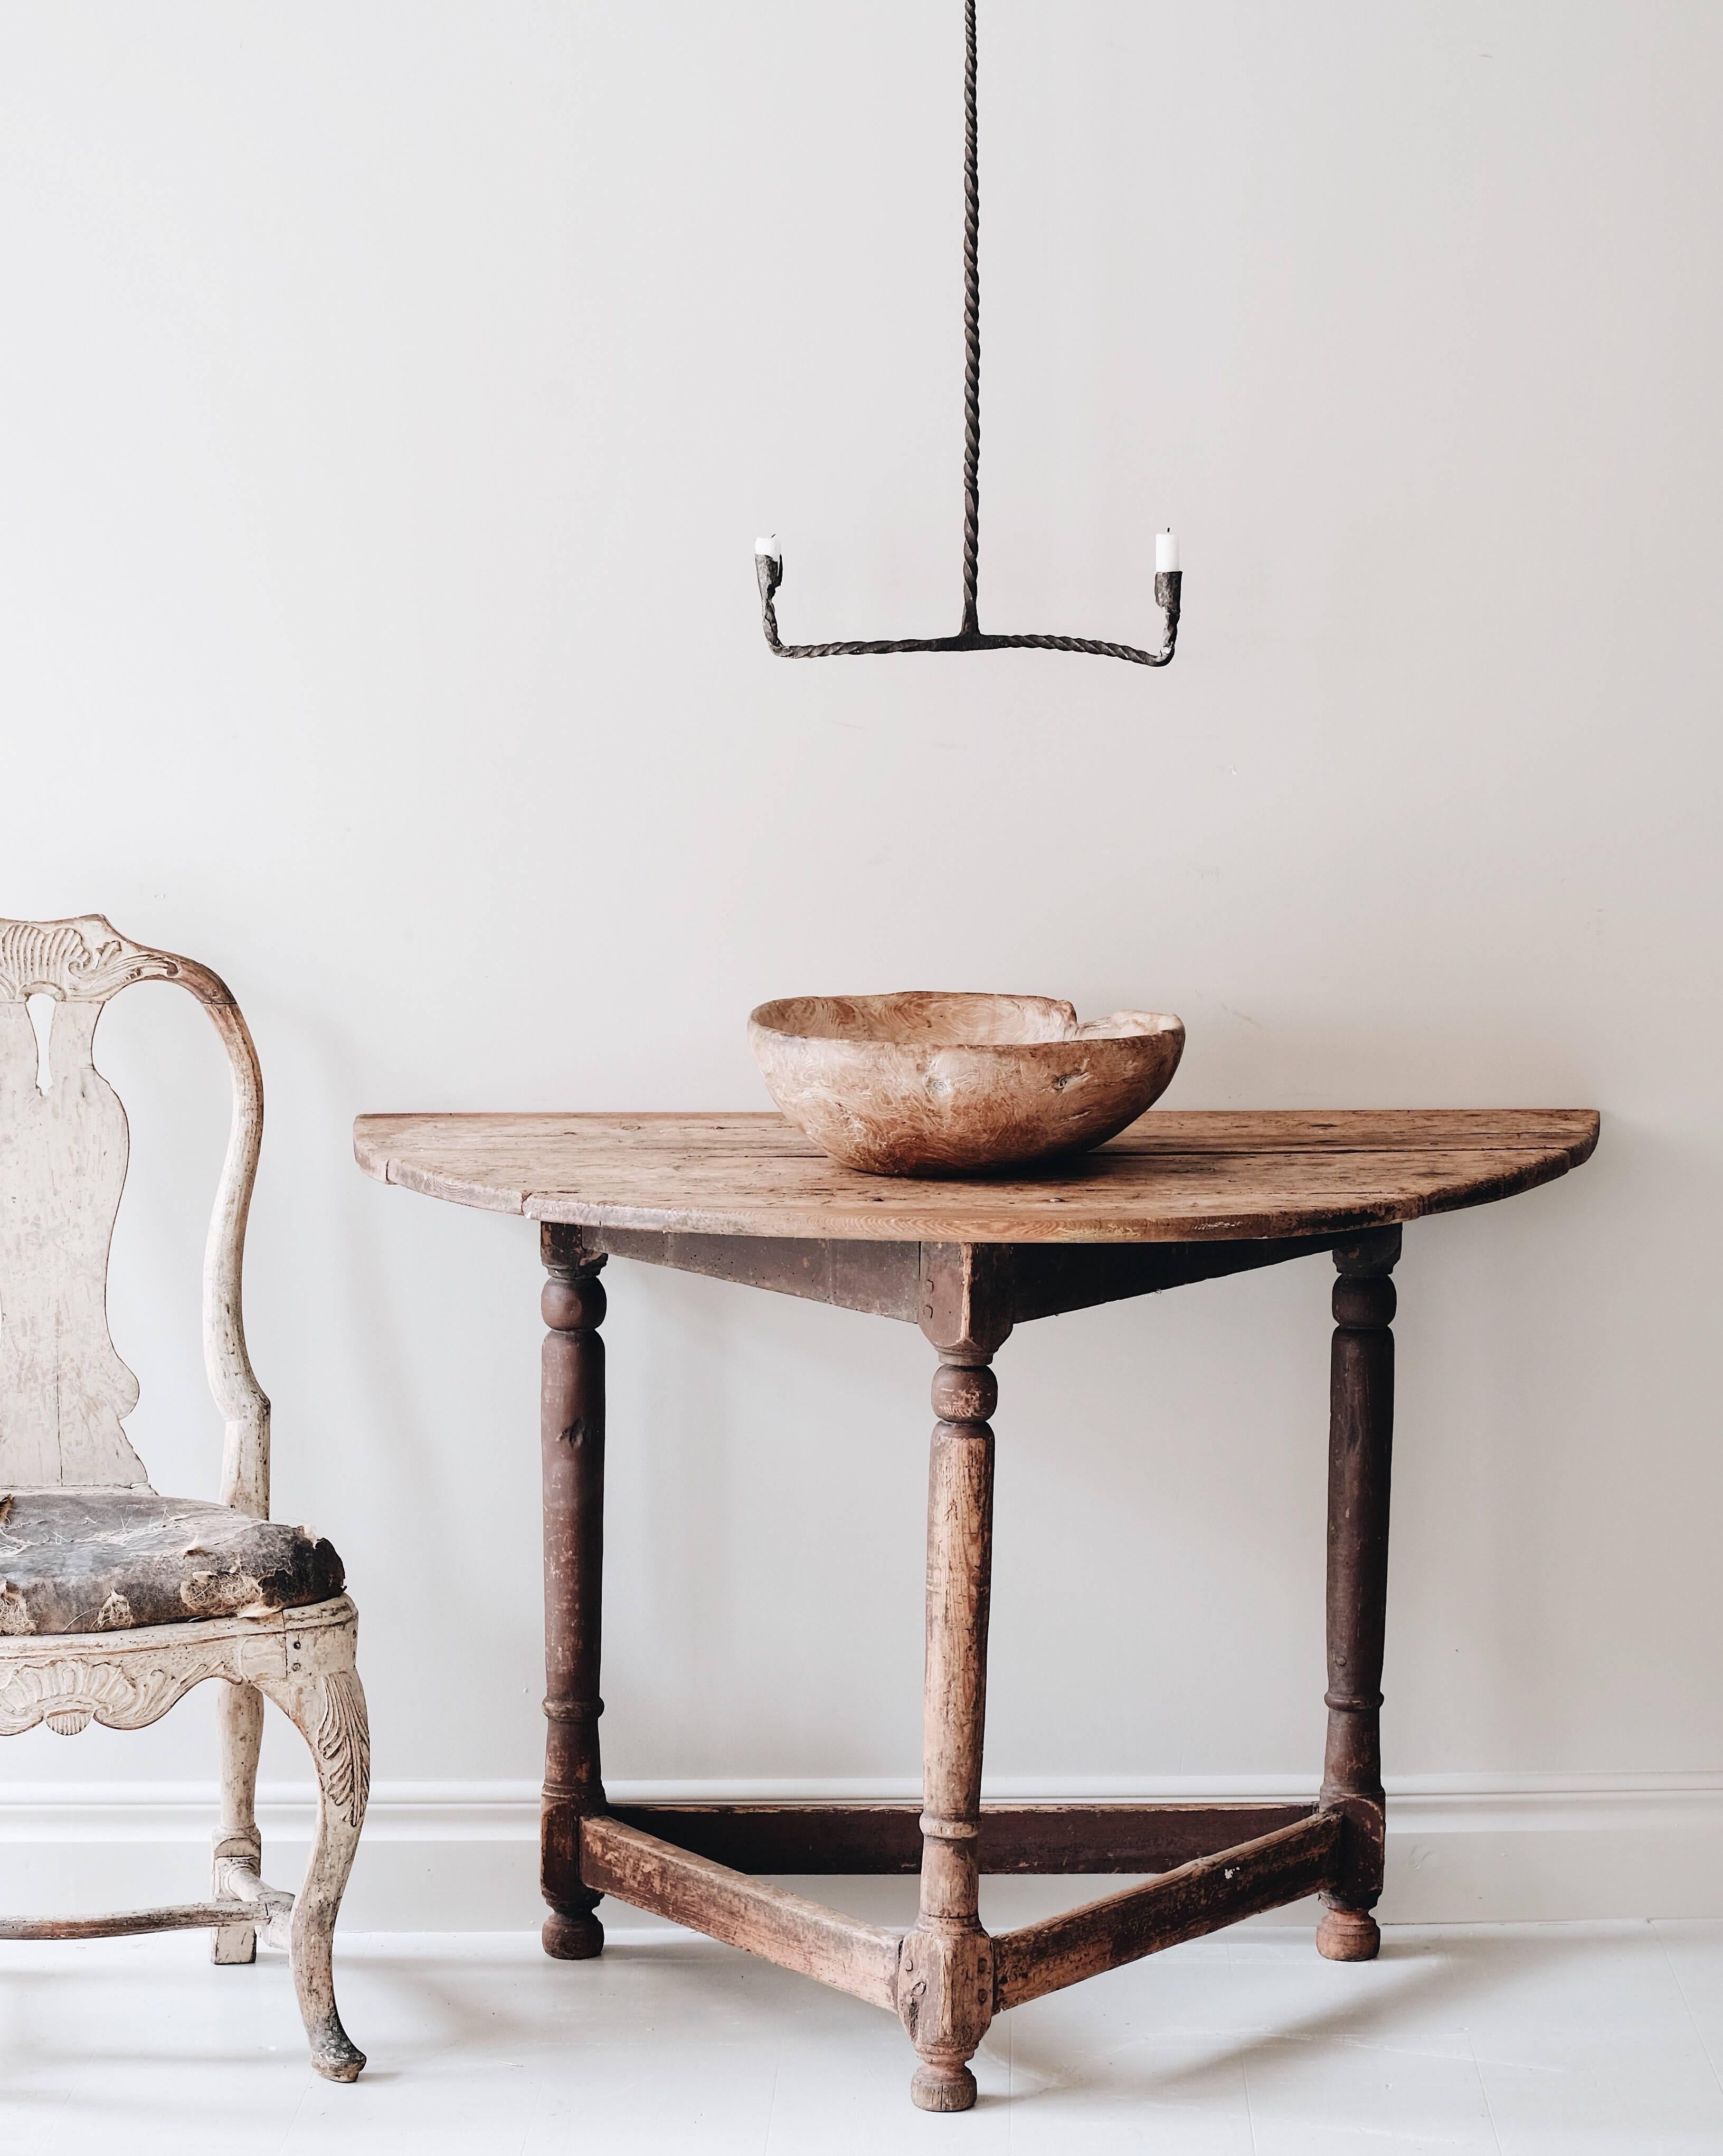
(105, 1560)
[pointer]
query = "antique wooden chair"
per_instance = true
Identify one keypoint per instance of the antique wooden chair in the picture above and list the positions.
(114, 1601)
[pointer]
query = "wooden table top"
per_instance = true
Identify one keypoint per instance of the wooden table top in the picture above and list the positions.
(1223, 1175)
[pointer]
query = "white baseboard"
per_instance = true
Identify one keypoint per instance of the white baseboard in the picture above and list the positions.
(462, 1856)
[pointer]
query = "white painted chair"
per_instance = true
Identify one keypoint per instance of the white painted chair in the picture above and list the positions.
(114, 1601)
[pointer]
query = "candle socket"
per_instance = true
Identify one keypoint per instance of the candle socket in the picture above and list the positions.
(1168, 585)
(769, 573)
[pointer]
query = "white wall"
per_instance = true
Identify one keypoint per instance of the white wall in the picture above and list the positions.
(389, 397)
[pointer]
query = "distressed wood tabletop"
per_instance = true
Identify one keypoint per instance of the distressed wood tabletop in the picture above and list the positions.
(1222, 1175)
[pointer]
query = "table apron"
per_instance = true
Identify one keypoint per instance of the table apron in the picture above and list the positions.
(887, 1280)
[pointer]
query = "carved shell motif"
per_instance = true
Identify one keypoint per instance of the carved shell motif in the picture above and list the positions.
(83, 961)
(69, 1694)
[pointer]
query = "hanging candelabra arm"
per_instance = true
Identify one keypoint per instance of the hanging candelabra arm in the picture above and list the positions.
(1168, 585)
(769, 574)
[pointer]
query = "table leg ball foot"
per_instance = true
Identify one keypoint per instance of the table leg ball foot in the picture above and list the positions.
(1348, 1935)
(572, 1939)
(939, 2085)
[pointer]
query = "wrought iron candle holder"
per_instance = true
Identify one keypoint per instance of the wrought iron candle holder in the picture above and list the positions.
(768, 558)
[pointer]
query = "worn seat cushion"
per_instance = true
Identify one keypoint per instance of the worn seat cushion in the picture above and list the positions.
(105, 1560)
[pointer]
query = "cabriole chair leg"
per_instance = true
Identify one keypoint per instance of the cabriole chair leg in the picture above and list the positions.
(327, 1707)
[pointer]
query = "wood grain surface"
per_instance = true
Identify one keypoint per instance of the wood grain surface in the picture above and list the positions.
(1171, 1177)
(1199, 1897)
(839, 1835)
(785, 1928)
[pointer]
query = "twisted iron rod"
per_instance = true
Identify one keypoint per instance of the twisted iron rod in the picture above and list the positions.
(769, 568)
(971, 333)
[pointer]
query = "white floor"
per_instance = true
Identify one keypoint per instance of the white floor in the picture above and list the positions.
(1581, 2039)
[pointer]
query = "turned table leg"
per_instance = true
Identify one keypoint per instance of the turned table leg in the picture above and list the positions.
(571, 1426)
(946, 1971)
(1360, 1447)
(946, 1975)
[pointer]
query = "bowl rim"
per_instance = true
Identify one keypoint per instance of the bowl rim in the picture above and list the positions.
(1150, 1025)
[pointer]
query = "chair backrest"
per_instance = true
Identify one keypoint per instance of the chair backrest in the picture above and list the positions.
(64, 1393)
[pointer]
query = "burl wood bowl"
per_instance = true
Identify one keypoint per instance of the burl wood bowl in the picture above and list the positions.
(929, 1084)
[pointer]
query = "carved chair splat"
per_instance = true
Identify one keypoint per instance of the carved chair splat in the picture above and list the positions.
(116, 1601)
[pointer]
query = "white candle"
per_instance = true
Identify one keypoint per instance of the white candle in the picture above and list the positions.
(1166, 552)
(768, 545)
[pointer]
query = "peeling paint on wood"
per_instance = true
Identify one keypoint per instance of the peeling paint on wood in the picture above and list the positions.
(115, 1601)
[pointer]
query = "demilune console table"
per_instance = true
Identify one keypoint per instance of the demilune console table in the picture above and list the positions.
(1177, 1199)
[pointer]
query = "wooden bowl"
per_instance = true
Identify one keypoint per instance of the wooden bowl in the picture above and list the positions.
(928, 1084)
